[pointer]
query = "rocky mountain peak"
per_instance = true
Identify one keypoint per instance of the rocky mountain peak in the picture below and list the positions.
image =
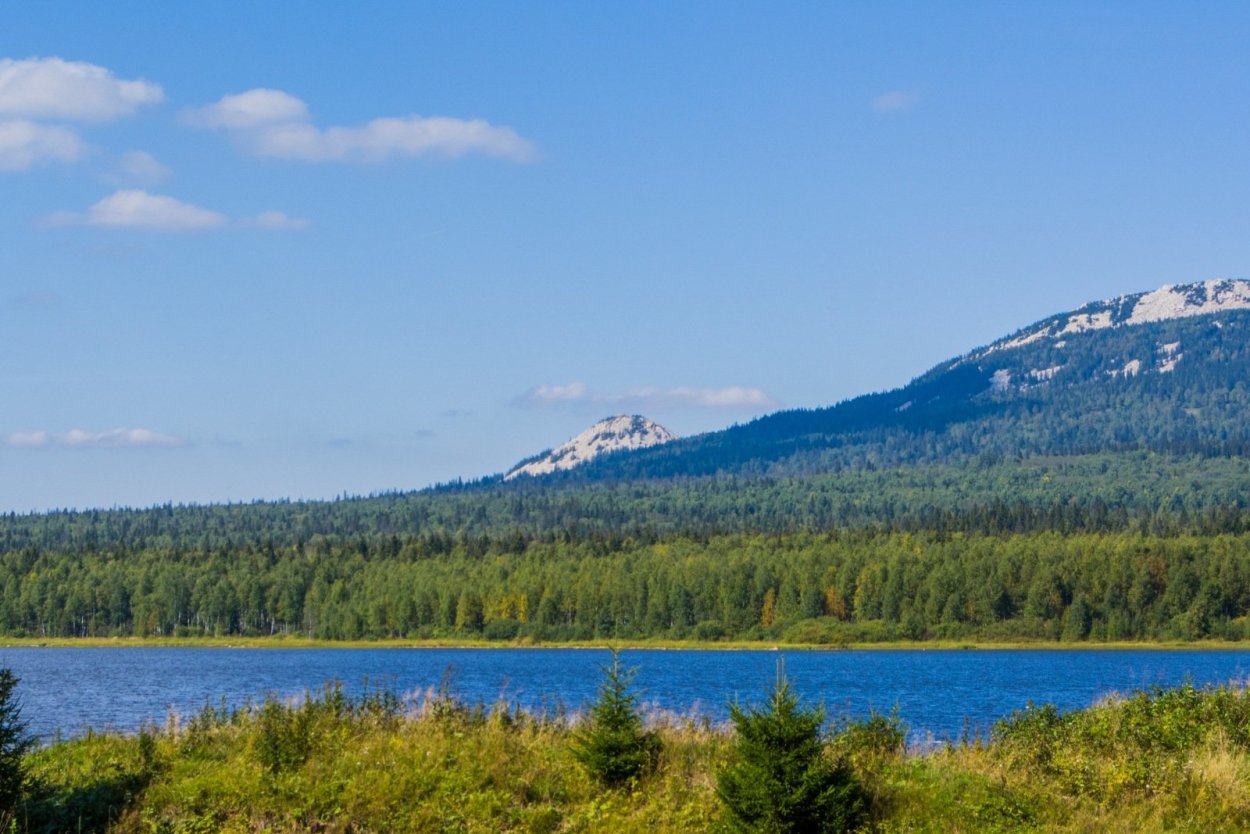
(612, 434)
(1172, 301)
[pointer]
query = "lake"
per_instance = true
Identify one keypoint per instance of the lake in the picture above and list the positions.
(938, 694)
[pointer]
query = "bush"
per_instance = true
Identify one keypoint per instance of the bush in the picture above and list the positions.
(284, 737)
(780, 778)
(878, 738)
(501, 630)
(613, 747)
(708, 630)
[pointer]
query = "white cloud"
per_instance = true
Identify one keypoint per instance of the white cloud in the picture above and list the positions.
(276, 124)
(139, 167)
(52, 88)
(80, 439)
(894, 101)
(133, 208)
(274, 220)
(24, 143)
(248, 110)
(732, 397)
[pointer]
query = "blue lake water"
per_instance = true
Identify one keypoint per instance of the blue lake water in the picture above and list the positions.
(938, 694)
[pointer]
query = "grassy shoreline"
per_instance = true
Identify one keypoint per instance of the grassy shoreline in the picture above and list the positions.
(287, 642)
(1175, 760)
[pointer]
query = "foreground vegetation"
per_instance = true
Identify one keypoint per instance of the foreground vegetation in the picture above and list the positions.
(1176, 760)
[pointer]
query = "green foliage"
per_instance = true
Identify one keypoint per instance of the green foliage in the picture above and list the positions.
(869, 743)
(1141, 743)
(780, 777)
(87, 784)
(15, 742)
(613, 746)
(830, 588)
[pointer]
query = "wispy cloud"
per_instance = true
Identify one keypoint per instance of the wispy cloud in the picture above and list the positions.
(274, 220)
(549, 394)
(53, 88)
(133, 208)
(894, 101)
(734, 397)
(276, 124)
(80, 439)
(24, 144)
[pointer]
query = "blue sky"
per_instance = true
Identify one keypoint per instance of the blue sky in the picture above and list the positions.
(277, 250)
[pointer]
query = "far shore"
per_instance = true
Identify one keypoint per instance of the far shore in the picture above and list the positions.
(290, 642)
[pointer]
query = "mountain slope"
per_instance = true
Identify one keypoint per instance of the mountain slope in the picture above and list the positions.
(1165, 371)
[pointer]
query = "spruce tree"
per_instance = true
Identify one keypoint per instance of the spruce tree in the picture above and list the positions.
(15, 742)
(613, 746)
(779, 779)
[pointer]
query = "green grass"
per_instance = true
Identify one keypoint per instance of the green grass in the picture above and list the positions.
(1174, 760)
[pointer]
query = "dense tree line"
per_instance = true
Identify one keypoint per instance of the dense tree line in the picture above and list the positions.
(821, 587)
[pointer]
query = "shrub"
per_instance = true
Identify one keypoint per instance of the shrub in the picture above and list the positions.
(501, 630)
(780, 778)
(708, 630)
(283, 739)
(878, 738)
(612, 746)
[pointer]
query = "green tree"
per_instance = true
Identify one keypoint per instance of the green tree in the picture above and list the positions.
(613, 746)
(14, 743)
(780, 778)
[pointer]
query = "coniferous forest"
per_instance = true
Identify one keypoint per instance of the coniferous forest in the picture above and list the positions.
(1113, 547)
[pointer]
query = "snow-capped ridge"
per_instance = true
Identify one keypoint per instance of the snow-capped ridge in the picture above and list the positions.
(613, 434)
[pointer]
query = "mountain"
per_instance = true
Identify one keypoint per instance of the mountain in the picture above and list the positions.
(1164, 371)
(613, 434)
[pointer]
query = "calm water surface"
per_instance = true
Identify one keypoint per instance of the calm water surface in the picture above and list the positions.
(939, 694)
